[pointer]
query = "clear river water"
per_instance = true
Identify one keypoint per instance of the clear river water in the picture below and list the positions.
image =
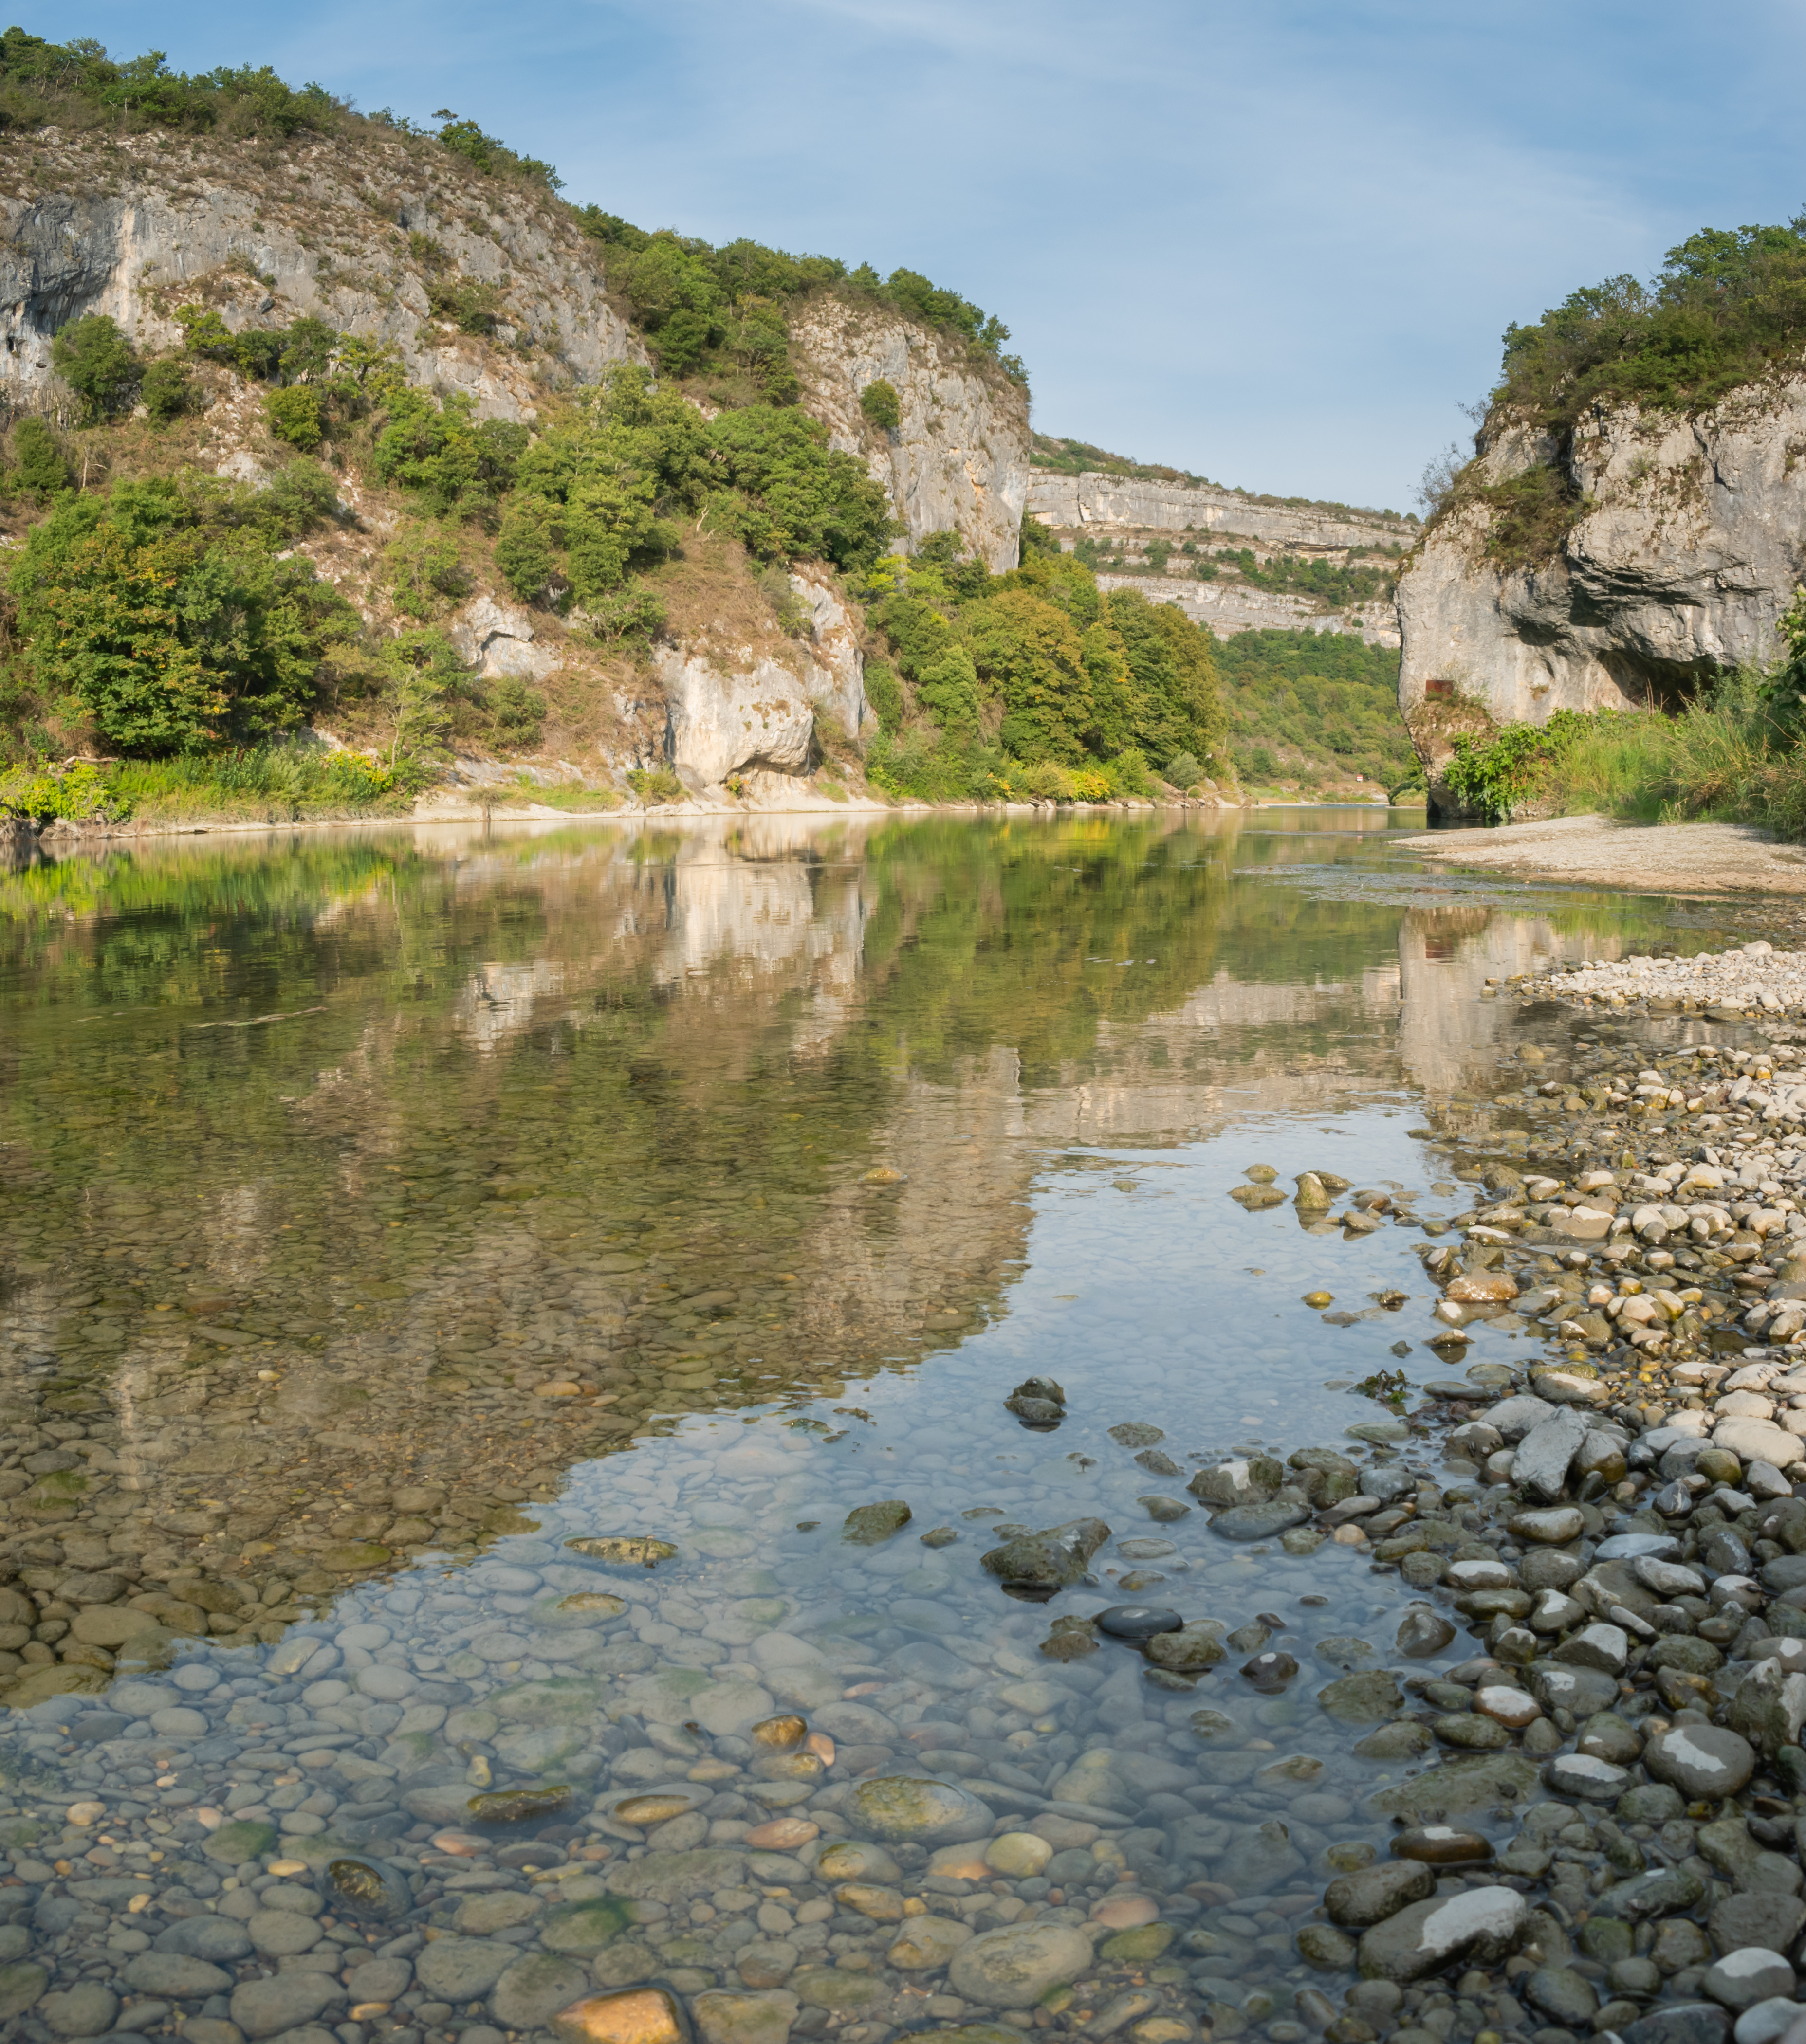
(385, 1212)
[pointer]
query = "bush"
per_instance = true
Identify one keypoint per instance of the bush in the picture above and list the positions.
(167, 391)
(784, 493)
(293, 416)
(99, 364)
(49, 794)
(656, 784)
(1726, 305)
(425, 676)
(518, 712)
(454, 462)
(1183, 771)
(164, 612)
(878, 401)
(424, 569)
(41, 469)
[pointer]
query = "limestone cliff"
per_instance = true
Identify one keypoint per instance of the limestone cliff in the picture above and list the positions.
(1616, 568)
(1093, 499)
(353, 233)
(381, 237)
(958, 458)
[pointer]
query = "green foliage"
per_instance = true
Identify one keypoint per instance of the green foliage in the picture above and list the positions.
(99, 364)
(526, 547)
(456, 464)
(1494, 777)
(693, 299)
(293, 416)
(423, 569)
(40, 469)
(1334, 583)
(77, 82)
(424, 676)
(519, 712)
(784, 493)
(1037, 538)
(160, 609)
(1036, 669)
(884, 692)
(42, 795)
(878, 401)
(1182, 770)
(656, 784)
(1726, 306)
(167, 391)
(494, 158)
(270, 783)
(1327, 699)
(1532, 513)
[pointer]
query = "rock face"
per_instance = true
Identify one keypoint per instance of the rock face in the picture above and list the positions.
(959, 456)
(1177, 506)
(1682, 557)
(127, 243)
(764, 714)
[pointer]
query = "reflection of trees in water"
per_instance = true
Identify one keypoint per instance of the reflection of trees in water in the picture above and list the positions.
(526, 1103)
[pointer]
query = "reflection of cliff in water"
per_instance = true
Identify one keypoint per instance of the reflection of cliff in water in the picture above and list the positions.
(358, 1188)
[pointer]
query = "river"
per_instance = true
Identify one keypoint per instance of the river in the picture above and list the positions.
(387, 1211)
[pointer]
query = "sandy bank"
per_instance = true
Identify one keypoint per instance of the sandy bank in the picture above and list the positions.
(1648, 858)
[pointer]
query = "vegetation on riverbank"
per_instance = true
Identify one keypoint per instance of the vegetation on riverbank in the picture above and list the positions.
(1735, 754)
(1311, 709)
(1034, 683)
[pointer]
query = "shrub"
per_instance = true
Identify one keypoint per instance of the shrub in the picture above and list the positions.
(49, 794)
(884, 693)
(1182, 770)
(784, 493)
(1497, 777)
(878, 401)
(425, 674)
(42, 468)
(453, 461)
(424, 569)
(526, 549)
(99, 364)
(656, 784)
(168, 617)
(519, 712)
(167, 391)
(293, 416)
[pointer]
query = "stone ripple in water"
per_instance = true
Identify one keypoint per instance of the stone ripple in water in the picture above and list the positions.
(328, 1343)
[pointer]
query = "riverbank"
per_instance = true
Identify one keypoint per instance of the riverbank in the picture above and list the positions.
(438, 808)
(1646, 858)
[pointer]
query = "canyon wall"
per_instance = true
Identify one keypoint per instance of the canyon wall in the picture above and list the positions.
(1079, 501)
(958, 458)
(1667, 549)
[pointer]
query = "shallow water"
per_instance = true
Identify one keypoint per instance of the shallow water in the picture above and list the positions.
(383, 1211)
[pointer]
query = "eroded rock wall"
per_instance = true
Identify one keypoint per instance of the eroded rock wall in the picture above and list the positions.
(1689, 542)
(1094, 499)
(958, 458)
(329, 229)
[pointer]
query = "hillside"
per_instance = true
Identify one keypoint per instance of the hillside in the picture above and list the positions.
(1314, 713)
(350, 464)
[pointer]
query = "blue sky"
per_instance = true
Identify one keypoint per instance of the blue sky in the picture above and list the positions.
(1276, 244)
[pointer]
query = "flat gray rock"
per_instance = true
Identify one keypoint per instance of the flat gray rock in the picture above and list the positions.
(1481, 1926)
(1258, 1522)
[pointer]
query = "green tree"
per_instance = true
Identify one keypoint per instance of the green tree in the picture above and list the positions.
(167, 391)
(423, 569)
(42, 468)
(878, 401)
(518, 712)
(174, 627)
(99, 364)
(784, 493)
(293, 416)
(425, 676)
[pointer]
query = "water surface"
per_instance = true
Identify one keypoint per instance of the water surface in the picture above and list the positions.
(383, 1210)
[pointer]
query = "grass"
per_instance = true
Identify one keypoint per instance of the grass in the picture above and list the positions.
(568, 795)
(1733, 754)
(273, 785)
